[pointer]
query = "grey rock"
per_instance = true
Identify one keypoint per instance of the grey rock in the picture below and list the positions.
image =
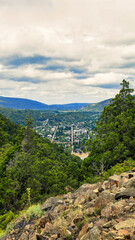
(130, 183)
(129, 223)
(49, 203)
(93, 234)
(114, 178)
(126, 193)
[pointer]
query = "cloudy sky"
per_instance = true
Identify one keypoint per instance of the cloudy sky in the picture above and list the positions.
(63, 51)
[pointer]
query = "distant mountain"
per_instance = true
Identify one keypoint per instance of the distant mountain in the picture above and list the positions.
(95, 107)
(22, 103)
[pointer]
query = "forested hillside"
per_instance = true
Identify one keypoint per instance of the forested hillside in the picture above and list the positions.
(115, 135)
(95, 107)
(55, 117)
(31, 163)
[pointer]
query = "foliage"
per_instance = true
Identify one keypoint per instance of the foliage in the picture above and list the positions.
(27, 161)
(9, 219)
(119, 168)
(115, 135)
(55, 117)
(6, 218)
(33, 212)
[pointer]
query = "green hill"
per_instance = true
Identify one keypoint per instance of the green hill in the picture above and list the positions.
(95, 107)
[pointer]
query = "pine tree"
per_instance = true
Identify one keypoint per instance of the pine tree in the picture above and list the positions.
(115, 133)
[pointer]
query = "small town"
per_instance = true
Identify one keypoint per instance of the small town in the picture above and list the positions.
(71, 136)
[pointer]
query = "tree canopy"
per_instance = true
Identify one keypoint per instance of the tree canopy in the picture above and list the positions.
(115, 134)
(27, 161)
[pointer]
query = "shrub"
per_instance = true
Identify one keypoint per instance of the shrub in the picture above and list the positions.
(6, 218)
(34, 212)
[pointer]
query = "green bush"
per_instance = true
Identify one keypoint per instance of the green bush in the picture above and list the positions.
(120, 168)
(5, 219)
(2, 234)
(34, 212)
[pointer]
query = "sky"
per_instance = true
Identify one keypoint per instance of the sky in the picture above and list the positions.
(66, 51)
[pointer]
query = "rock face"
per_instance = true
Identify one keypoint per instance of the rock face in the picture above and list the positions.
(101, 211)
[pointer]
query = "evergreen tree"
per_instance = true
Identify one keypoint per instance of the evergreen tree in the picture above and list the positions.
(28, 161)
(115, 134)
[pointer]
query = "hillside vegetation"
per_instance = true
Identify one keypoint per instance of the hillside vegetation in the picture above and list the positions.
(115, 135)
(29, 162)
(95, 107)
(54, 117)
(32, 168)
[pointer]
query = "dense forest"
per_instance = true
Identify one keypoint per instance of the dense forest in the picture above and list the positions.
(55, 117)
(115, 136)
(27, 161)
(32, 168)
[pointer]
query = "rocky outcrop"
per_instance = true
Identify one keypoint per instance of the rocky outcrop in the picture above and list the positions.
(101, 211)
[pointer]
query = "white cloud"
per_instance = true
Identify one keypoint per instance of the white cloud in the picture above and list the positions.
(96, 35)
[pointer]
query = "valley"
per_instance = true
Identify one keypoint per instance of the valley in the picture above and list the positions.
(68, 129)
(71, 134)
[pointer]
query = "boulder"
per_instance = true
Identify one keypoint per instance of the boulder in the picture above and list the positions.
(118, 208)
(93, 234)
(129, 223)
(107, 211)
(130, 183)
(49, 203)
(125, 193)
(115, 179)
(104, 198)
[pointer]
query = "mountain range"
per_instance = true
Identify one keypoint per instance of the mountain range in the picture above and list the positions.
(22, 103)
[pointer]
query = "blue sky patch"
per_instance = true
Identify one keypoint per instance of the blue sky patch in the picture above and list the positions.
(109, 85)
(57, 68)
(19, 60)
(77, 70)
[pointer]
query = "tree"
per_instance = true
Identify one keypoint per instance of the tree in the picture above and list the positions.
(28, 136)
(115, 133)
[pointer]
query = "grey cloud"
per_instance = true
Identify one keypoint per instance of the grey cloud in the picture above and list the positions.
(26, 79)
(109, 86)
(119, 42)
(104, 86)
(21, 79)
(127, 65)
